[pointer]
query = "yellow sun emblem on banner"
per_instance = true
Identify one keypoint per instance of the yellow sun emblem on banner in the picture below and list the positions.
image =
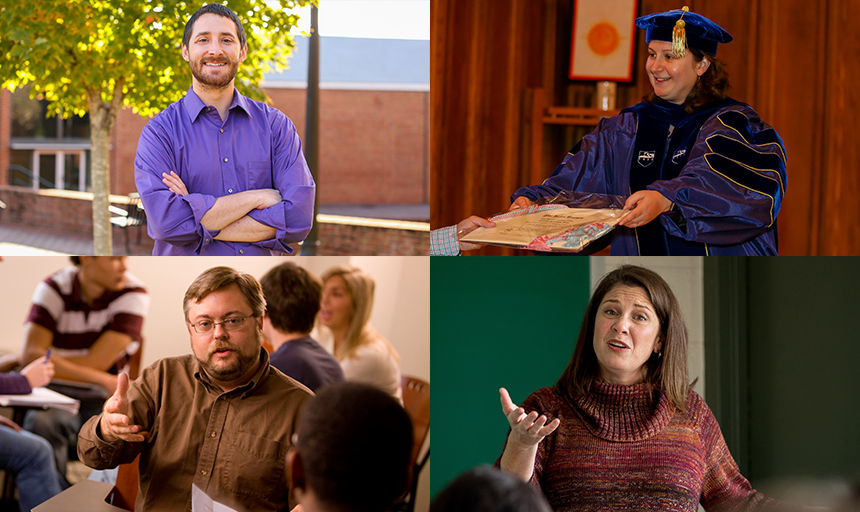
(603, 38)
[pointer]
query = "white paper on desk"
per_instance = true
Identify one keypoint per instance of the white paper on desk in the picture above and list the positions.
(523, 229)
(42, 398)
(201, 502)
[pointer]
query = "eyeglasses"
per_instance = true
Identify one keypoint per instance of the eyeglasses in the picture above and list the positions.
(229, 324)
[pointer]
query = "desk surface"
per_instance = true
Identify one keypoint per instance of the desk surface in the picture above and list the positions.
(84, 496)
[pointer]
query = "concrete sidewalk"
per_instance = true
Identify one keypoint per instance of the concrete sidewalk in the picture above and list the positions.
(27, 240)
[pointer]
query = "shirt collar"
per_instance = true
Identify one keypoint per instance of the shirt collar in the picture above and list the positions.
(194, 105)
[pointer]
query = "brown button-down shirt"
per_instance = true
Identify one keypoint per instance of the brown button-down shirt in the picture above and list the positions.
(232, 445)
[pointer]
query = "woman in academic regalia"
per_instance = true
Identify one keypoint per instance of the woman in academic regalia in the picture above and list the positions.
(704, 174)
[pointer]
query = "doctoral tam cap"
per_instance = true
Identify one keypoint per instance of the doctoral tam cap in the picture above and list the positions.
(701, 33)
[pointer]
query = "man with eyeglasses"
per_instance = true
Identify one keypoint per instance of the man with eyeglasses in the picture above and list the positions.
(219, 419)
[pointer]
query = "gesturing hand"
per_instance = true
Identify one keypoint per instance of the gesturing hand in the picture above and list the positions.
(526, 429)
(174, 183)
(114, 422)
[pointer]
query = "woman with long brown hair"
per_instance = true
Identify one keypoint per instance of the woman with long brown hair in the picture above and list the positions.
(701, 172)
(627, 431)
(364, 355)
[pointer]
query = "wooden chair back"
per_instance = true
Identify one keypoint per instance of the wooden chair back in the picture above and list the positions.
(416, 401)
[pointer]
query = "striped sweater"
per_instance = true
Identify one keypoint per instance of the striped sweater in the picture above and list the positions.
(617, 448)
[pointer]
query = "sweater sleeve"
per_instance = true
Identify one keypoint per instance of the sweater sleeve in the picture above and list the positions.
(14, 383)
(724, 488)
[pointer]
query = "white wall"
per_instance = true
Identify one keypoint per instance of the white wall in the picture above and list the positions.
(685, 276)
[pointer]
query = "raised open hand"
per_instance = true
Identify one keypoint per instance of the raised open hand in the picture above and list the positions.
(527, 430)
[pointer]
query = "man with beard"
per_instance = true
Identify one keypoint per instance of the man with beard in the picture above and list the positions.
(220, 419)
(218, 173)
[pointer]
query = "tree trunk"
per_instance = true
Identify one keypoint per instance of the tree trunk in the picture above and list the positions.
(102, 118)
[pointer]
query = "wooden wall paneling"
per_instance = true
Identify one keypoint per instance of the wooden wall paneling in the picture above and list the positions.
(790, 70)
(443, 113)
(478, 66)
(477, 129)
(737, 20)
(559, 25)
(840, 198)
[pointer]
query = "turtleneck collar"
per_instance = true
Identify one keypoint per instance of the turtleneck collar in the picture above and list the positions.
(623, 413)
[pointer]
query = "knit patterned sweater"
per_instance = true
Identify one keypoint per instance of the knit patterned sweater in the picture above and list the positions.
(617, 448)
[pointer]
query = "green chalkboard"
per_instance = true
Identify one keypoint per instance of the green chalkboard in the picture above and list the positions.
(495, 322)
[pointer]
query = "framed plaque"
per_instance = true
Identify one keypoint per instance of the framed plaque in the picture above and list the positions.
(604, 37)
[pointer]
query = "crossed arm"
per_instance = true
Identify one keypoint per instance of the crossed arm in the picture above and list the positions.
(91, 368)
(230, 213)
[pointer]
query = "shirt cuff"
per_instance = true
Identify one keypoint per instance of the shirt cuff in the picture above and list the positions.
(444, 242)
(275, 244)
(200, 204)
(96, 450)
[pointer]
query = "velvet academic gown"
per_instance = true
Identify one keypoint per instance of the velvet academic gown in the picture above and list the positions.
(723, 167)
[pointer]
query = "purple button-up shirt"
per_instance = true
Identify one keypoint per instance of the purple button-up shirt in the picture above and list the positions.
(255, 147)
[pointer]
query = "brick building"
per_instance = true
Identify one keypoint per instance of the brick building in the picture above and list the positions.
(374, 127)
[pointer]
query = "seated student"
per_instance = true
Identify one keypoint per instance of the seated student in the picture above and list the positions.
(364, 355)
(292, 303)
(220, 418)
(91, 316)
(486, 489)
(351, 452)
(25, 455)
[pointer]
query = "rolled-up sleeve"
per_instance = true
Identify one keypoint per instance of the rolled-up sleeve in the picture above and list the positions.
(170, 217)
(293, 216)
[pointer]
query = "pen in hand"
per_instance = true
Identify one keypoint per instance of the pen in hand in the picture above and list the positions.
(48, 356)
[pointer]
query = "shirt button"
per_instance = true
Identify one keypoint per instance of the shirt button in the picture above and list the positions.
(241, 251)
(213, 434)
(222, 130)
(230, 190)
(203, 472)
(225, 159)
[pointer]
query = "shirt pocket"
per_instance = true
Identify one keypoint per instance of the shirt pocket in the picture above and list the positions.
(255, 467)
(260, 174)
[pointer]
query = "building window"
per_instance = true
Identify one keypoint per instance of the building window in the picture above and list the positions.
(47, 152)
(29, 120)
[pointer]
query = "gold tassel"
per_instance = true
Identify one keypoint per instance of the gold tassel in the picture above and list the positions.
(679, 36)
